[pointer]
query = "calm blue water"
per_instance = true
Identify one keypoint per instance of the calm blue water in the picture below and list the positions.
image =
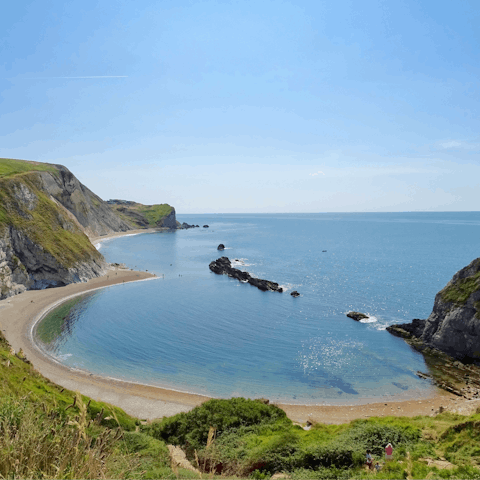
(200, 332)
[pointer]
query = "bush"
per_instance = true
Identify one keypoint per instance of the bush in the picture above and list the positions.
(191, 429)
(369, 434)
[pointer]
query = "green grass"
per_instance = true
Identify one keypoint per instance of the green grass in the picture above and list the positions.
(460, 292)
(155, 213)
(9, 167)
(52, 325)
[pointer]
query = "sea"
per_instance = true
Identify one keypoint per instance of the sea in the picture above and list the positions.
(193, 331)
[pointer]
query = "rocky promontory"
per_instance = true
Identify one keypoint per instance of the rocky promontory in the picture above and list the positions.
(223, 266)
(453, 327)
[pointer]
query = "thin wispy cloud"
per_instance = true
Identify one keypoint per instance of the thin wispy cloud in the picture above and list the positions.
(459, 144)
(316, 173)
(85, 76)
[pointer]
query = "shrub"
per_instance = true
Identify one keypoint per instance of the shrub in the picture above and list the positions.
(375, 436)
(191, 429)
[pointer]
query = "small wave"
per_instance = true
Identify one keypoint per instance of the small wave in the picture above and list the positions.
(370, 319)
(287, 286)
(98, 246)
(64, 356)
(240, 262)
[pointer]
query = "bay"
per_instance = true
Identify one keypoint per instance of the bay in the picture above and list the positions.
(194, 331)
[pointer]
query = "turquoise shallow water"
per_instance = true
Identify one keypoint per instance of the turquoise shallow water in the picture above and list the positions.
(199, 332)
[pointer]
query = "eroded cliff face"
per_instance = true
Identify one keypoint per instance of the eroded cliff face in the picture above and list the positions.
(454, 324)
(46, 219)
(42, 244)
(170, 221)
(93, 214)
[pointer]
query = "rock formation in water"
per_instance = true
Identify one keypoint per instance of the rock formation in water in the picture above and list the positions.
(223, 266)
(356, 316)
(46, 219)
(186, 226)
(453, 327)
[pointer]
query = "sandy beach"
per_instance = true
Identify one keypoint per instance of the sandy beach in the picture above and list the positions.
(19, 313)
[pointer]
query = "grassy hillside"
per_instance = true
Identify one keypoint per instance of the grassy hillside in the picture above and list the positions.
(50, 432)
(154, 213)
(9, 167)
(141, 216)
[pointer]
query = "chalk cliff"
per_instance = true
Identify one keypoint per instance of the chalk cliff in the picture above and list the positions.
(454, 324)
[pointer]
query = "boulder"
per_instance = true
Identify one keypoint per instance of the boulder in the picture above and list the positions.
(295, 294)
(221, 247)
(205, 226)
(357, 316)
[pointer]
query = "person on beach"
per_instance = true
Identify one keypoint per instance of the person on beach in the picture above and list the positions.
(369, 460)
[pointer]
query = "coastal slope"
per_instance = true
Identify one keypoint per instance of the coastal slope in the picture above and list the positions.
(453, 327)
(42, 244)
(47, 217)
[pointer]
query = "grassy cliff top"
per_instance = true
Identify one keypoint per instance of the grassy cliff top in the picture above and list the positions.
(139, 215)
(9, 167)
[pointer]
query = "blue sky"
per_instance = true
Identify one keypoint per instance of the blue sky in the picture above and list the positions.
(249, 106)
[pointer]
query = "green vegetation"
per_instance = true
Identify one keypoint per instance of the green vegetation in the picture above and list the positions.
(460, 292)
(45, 224)
(9, 167)
(192, 429)
(142, 216)
(52, 325)
(155, 213)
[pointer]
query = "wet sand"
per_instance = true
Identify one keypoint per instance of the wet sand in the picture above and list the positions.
(19, 313)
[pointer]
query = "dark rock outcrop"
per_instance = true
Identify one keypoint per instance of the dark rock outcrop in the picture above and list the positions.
(205, 226)
(221, 247)
(356, 316)
(223, 266)
(408, 330)
(295, 294)
(453, 327)
(186, 226)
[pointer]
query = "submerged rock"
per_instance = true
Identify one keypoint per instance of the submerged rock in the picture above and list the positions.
(357, 316)
(223, 266)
